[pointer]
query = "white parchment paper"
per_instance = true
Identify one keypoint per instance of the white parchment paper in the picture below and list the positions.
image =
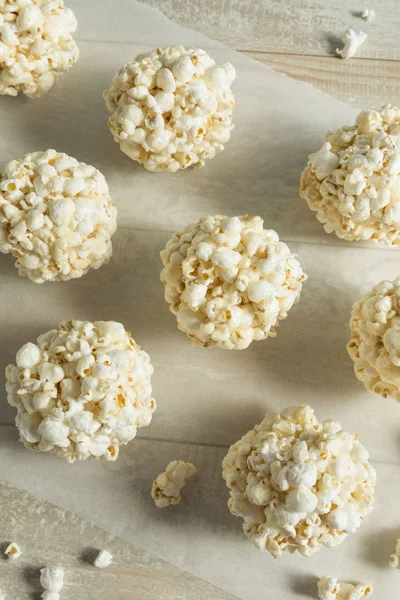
(207, 399)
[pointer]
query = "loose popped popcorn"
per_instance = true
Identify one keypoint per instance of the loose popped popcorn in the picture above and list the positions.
(13, 551)
(56, 216)
(50, 595)
(375, 342)
(352, 40)
(229, 281)
(166, 489)
(297, 483)
(82, 390)
(103, 560)
(395, 558)
(36, 45)
(353, 181)
(171, 108)
(330, 588)
(368, 14)
(52, 579)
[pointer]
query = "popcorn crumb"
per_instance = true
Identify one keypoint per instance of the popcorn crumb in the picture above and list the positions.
(352, 40)
(353, 181)
(171, 108)
(395, 558)
(103, 560)
(56, 216)
(375, 342)
(297, 483)
(166, 489)
(229, 281)
(36, 45)
(81, 391)
(368, 14)
(52, 579)
(13, 551)
(330, 588)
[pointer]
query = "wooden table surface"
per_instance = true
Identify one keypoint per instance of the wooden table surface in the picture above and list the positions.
(299, 38)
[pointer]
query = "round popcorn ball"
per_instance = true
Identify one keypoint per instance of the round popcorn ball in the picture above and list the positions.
(353, 181)
(297, 483)
(80, 391)
(229, 281)
(171, 108)
(36, 45)
(56, 216)
(375, 339)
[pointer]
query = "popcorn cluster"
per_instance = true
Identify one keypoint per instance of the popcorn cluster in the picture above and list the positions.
(395, 558)
(52, 580)
(330, 588)
(82, 390)
(166, 489)
(375, 342)
(298, 484)
(36, 45)
(229, 281)
(171, 108)
(56, 216)
(353, 181)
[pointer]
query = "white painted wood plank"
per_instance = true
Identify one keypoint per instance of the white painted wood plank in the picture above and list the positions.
(51, 536)
(358, 82)
(289, 26)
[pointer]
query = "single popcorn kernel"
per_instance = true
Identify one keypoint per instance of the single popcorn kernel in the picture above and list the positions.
(395, 558)
(353, 181)
(56, 216)
(171, 108)
(375, 339)
(166, 489)
(329, 588)
(13, 551)
(36, 45)
(297, 483)
(229, 281)
(67, 389)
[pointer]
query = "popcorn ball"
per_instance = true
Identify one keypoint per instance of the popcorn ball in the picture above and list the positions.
(171, 108)
(82, 390)
(329, 588)
(353, 181)
(229, 281)
(36, 45)
(375, 342)
(56, 216)
(167, 487)
(297, 483)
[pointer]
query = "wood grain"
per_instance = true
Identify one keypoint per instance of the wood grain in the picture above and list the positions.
(359, 82)
(50, 536)
(303, 27)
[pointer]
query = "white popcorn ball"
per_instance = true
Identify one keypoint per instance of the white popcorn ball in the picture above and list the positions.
(52, 579)
(56, 216)
(229, 281)
(353, 181)
(329, 588)
(375, 339)
(103, 559)
(167, 487)
(13, 551)
(36, 45)
(171, 108)
(297, 483)
(88, 393)
(395, 558)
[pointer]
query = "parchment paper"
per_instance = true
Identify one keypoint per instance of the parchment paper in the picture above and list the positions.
(207, 398)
